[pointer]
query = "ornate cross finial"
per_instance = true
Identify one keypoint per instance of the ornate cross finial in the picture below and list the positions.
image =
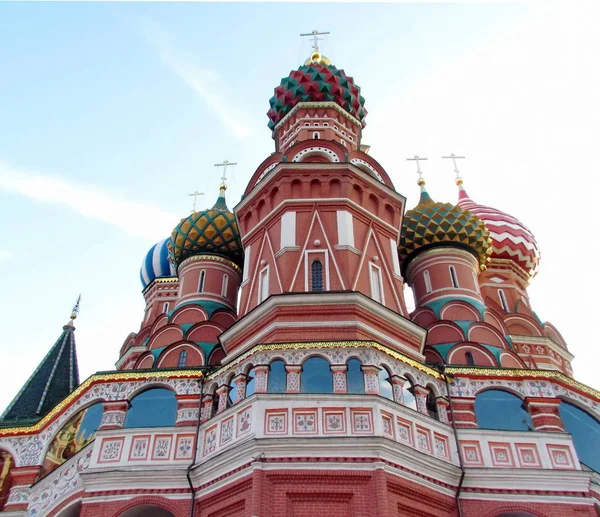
(417, 159)
(195, 194)
(224, 165)
(315, 35)
(75, 311)
(453, 157)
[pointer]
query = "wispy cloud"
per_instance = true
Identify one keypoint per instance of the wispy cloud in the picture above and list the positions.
(89, 201)
(206, 82)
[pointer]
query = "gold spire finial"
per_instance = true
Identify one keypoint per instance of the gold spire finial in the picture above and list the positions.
(316, 56)
(75, 311)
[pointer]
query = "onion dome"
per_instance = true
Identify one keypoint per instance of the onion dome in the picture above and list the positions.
(432, 224)
(156, 263)
(316, 81)
(511, 239)
(214, 231)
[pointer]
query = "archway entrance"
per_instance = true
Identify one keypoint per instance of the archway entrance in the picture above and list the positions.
(147, 510)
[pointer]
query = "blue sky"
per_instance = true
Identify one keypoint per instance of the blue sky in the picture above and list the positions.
(111, 113)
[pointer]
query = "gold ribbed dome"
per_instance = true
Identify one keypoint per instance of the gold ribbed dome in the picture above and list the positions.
(432, 224)
(212, 231)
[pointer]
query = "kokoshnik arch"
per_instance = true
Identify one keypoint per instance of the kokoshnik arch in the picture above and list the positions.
(277, 371)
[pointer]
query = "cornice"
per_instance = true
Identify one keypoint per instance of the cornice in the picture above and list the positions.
(95, 379)
(542, 340)
(504, 373)
(316, 105)
(214, 258)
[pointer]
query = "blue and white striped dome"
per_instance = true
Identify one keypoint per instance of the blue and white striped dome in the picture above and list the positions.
(156, 264)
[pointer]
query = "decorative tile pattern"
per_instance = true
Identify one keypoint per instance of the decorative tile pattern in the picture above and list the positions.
(293, 381)
(184, 448)
(276, 422)
(362, 421)
(371, 383)
(161, 449)
(226, 431)
(244, 420)
(387, 425)
(305, 421)
(561, 457)
(423, 439)
(139, 448)
(334, 421)
(111, 450)
(528, 455)
(405, 431)
(441, 446)
(501, 454)
(210, 440)
(471, 453)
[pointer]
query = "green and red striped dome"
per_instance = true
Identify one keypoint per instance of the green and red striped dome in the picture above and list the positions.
(316, 82)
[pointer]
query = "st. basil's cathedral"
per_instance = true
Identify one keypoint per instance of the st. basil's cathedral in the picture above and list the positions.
(277, 371)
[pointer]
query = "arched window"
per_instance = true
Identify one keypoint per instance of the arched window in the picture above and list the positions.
(182, 359)
(155, 407)
(316, 376)
(355, 378)
(231, 393)
(166, 307)
(250, 382)
(316, 135)
(215, 404)
(224, 286)
(277, 382)
(74, 435)
(408, 395)
(431, 405)
(503, 301)
(201, 281)
(585, 431)
(385, 384)
(469, 359)
(497, 409)
(453, 276)
(316, 269)
(427, 281)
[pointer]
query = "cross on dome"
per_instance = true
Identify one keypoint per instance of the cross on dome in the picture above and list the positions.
(224, 164)
(453, 157)
(195, 194)
(417, 159)
(315, 35)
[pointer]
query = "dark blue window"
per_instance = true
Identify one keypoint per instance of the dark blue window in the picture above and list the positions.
(585, 431)
(231, 393)
(497, 409)
(385, 384)
(316, 376)
(91, 420)
(277, 377)
(355, 379)
(316, 276)
(250, 383)
(432, 409)
(182, 359)
(153, 408)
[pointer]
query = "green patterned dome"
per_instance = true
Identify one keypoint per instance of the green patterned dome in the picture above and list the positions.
(214, 231)
(432, 224)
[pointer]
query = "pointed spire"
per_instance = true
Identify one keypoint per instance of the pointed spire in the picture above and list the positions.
(221, 203)
(54, 378)
(425, 197)
(462, 193)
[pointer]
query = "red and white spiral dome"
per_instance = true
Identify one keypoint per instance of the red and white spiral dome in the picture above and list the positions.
(511, 239)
